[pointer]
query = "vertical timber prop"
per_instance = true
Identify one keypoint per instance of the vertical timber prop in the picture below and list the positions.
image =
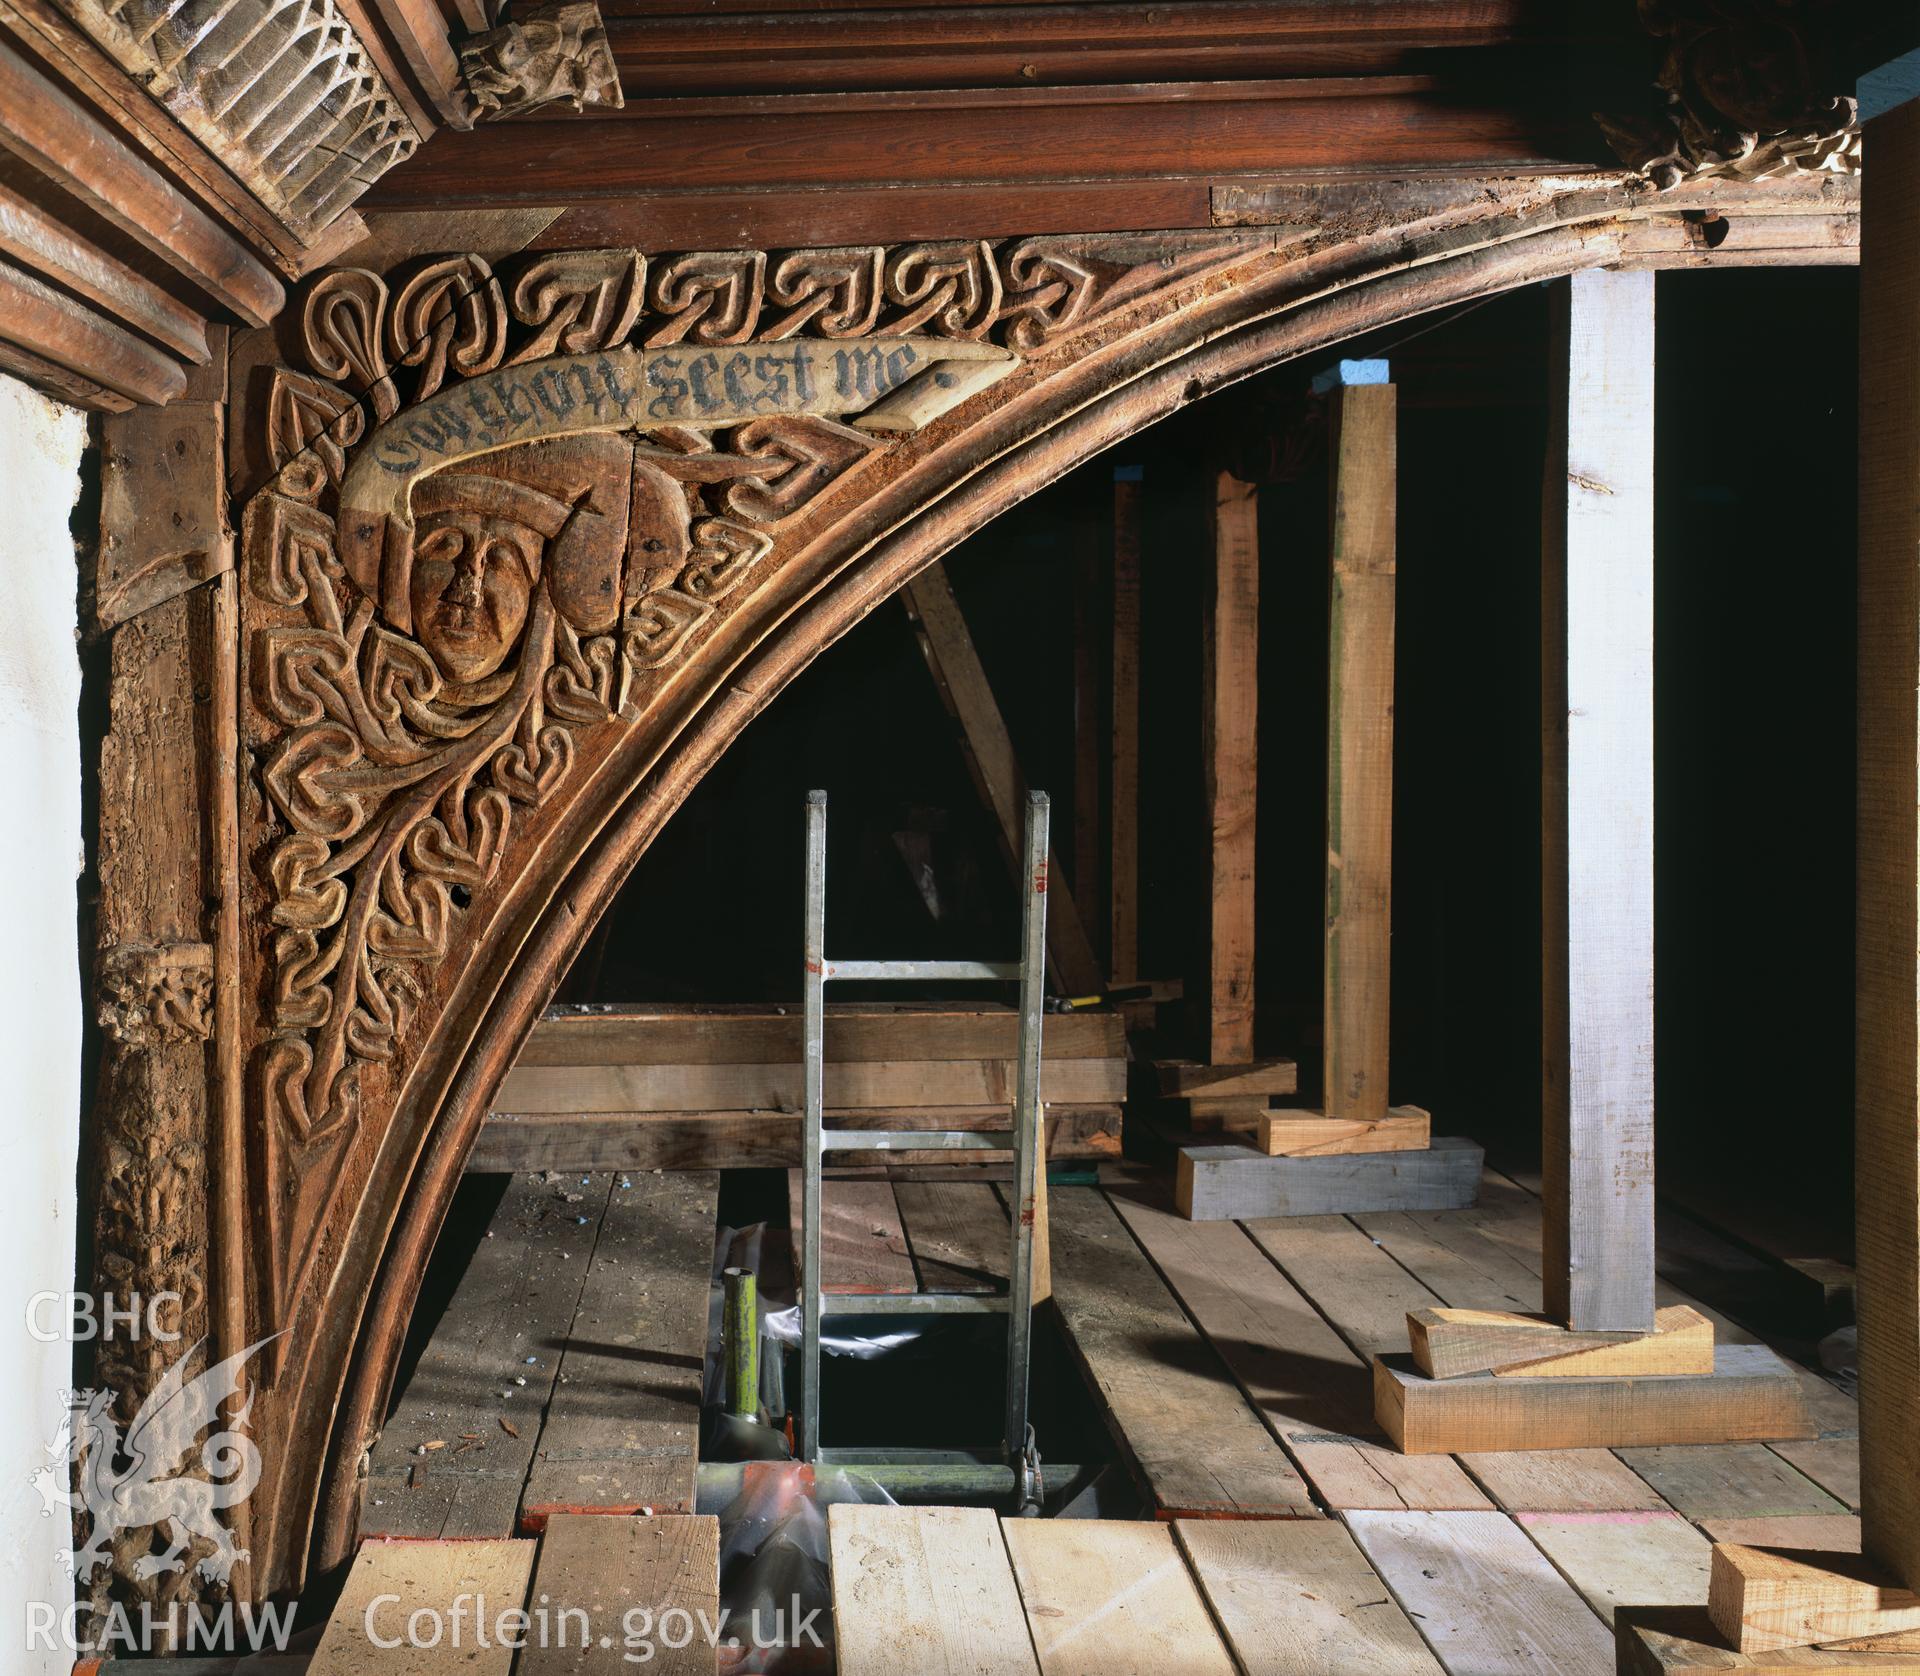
(1596, 659)
(1483, 1380)
(1227, 1085)
(1123, 780)
(1354, 1116)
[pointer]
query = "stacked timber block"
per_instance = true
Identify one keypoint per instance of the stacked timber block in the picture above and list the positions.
(1230, 1097)
(1479, 1381)
(1234, 1183)
(665, 1087)
(1243, 1100)
(1776, 1609)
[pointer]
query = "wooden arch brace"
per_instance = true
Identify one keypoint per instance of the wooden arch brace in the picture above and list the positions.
(452, 747)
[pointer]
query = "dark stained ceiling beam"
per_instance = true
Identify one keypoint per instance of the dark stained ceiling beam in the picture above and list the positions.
(793, 50)
(1036, 139)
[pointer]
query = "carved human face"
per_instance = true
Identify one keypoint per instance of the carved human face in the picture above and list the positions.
(473, 577)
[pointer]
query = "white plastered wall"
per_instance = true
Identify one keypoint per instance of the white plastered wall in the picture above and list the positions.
(41, 444)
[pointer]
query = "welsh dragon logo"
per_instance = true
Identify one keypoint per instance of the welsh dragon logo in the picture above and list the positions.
(138, 1480)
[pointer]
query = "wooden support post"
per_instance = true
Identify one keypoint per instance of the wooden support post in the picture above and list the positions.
(1599, 1370)
(1887, 931)
(1089, 731)
(1123, 802)
(962, 682)
(1360, 753)
(1230, 710)
(1597, 808)
(1354, 1116)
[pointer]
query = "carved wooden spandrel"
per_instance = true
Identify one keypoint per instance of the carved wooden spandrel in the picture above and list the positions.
(496, 523)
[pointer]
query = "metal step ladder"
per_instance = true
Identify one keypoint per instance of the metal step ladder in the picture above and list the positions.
(1016, 1458)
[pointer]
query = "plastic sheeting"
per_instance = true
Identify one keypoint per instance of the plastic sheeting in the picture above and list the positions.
(774, 1580)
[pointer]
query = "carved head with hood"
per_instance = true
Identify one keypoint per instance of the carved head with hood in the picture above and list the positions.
(488, 532)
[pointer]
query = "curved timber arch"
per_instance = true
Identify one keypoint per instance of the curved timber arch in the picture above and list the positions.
(494, 630)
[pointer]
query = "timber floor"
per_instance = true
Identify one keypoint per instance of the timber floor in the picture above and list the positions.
(565, 1373)
(1229, 1363)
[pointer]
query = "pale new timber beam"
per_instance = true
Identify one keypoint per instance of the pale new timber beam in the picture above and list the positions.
(1887, 931)
(1230, 737)
(1360, 598)
(1123, 797)
(1597, 808)
(957, 672)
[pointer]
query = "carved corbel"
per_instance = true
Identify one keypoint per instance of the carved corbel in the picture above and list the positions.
(553, 54)
(1744, 93)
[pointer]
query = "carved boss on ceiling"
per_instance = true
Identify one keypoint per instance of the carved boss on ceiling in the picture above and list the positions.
(503, 510)
(552, 55)
(1744, 92)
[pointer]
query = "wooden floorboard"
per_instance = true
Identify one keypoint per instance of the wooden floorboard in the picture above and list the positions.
(925, 1589)
(1114, 1597)
(444, 1465)
(1297, 1598)
(1837, 1532)
(1159, 1383)
(1299, 1375)
(1831, 1462)
(390, 1581)
(1624, 1559)
(1458, 1261)
(1729, 1481)
(957, 1233)
(1485, 1599)
(863, 1247)
(613, 1569)
(1562, 1481)
(1354, 1281)
(622, 1431)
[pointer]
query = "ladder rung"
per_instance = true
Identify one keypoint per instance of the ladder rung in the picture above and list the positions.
(915, 1140)
(912, 1303)
(917, 971)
